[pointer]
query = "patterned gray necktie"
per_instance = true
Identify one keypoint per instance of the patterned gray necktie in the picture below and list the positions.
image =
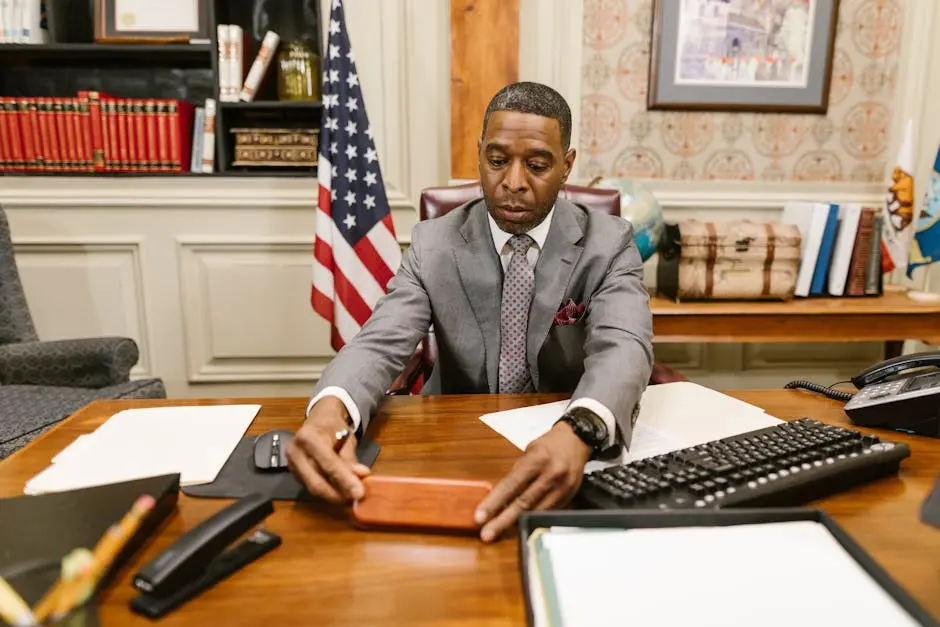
(514, 319)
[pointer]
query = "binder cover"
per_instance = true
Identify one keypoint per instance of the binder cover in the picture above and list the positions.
(536, 522)
(38, 531)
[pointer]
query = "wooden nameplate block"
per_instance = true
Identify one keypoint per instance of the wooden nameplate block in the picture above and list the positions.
(413, 503)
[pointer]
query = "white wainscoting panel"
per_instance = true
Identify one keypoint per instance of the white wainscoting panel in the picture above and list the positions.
(246, 311)
(85, 287)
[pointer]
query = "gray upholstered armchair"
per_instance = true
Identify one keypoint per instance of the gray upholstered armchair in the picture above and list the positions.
(42, 383)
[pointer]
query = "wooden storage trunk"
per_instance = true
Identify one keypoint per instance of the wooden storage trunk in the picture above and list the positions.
(735, 260)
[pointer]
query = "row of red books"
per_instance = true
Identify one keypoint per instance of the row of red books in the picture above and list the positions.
(94, 132)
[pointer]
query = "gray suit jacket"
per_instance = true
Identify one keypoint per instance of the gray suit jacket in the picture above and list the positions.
(451, 277)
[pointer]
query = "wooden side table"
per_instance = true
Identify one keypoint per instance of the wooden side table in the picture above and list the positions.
(891, 318)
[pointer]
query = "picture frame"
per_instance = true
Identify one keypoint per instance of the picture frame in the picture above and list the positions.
(148, 22)
(742, 55)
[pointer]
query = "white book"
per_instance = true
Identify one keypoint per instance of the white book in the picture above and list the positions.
(260, 66)
(199, 130)
(6, 21)
(227, 91)
(14, 21)
(236, 60)
(208, 138)
(841, 261)
(810, 218)
(31, 17)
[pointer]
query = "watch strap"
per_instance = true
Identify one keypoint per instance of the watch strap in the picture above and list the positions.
(588, 426)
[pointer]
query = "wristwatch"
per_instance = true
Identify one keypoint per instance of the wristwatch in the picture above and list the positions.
(588, 426)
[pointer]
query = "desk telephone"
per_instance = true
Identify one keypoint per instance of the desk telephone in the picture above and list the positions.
(902, 394)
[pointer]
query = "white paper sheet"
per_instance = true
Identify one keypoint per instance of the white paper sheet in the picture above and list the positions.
(773, 575)
(672, 416)
(194, 441)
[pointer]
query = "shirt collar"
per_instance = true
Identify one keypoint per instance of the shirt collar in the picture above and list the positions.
(539, 233)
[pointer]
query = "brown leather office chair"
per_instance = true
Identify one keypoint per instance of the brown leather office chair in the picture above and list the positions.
(437, 201)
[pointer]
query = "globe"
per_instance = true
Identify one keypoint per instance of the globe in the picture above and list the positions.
(640, 207)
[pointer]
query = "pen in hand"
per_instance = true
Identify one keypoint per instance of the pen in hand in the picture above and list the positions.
(341, 437)
(360, 470)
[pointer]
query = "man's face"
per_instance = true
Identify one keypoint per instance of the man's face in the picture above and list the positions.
(522, 168)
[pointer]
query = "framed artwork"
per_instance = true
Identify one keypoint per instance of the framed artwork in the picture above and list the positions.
(150, 21)
(742, 55)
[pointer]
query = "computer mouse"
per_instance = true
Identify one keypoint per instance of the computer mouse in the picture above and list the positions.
(271, 449)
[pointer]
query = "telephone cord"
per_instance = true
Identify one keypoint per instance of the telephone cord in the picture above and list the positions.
(829, 392)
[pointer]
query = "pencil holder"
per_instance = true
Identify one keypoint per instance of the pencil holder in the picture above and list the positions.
(32, 580)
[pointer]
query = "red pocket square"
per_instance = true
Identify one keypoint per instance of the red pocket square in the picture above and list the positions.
(569, 313)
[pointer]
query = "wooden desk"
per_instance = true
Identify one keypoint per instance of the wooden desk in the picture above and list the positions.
(327, 573)
(891, 317)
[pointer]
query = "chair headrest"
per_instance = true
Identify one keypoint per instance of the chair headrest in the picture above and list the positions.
(437, 201)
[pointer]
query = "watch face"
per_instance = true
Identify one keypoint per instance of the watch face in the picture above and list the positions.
(589, 427)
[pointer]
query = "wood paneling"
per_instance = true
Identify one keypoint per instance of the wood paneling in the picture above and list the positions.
(484, 44)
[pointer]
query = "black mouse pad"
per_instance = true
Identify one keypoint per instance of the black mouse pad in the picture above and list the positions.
(239, 477)
(930, 510)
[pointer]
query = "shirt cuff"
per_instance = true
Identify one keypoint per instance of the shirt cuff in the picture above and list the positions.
(603, 413)
(344, 397)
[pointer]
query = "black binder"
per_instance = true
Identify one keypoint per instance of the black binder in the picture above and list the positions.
(636, 519)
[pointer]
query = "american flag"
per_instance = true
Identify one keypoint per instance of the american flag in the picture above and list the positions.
(355, 252)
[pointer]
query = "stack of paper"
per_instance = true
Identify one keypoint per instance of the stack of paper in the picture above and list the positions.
(672, 416)
(775, 574)
(194, 441)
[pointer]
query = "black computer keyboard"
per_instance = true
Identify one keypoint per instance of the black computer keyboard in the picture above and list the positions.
(785, 465)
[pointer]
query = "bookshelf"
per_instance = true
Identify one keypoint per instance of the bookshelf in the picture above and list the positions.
(190, 72)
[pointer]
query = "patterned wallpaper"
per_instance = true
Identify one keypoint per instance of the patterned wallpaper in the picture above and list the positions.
(619, 137)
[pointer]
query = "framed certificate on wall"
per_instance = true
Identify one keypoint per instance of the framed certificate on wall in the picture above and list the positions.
(146, 21)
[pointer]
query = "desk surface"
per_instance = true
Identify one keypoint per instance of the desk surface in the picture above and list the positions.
(892, 316)
(327, 573)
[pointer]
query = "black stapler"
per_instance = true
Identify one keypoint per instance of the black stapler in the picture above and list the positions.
(199, 559)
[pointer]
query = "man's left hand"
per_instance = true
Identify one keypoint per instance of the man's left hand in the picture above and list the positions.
(548, 475)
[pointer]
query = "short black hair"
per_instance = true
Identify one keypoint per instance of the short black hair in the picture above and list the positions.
(536, 98)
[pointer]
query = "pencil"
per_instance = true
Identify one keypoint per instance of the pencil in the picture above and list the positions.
(13, 609)
(72, 565)
(111, 543)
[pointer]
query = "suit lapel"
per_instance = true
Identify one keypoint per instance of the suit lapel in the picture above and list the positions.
(556, 262)
(481, 276)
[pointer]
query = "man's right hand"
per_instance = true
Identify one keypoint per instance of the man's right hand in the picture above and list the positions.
(332, 476)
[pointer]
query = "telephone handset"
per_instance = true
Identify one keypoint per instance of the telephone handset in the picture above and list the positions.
(896, 365)
(902, 393)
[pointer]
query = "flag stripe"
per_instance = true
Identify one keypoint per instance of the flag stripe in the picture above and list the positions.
(323, 279)
(347, 262)
(351, 299)
(386, 245)
(323, 254)
(322, 304)
(372, 260)
(324, 171)
(345, 326)
(355, 251)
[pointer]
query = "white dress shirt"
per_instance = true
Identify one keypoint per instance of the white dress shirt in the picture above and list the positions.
(501, 244)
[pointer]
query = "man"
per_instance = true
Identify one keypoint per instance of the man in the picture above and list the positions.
(527, 293)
